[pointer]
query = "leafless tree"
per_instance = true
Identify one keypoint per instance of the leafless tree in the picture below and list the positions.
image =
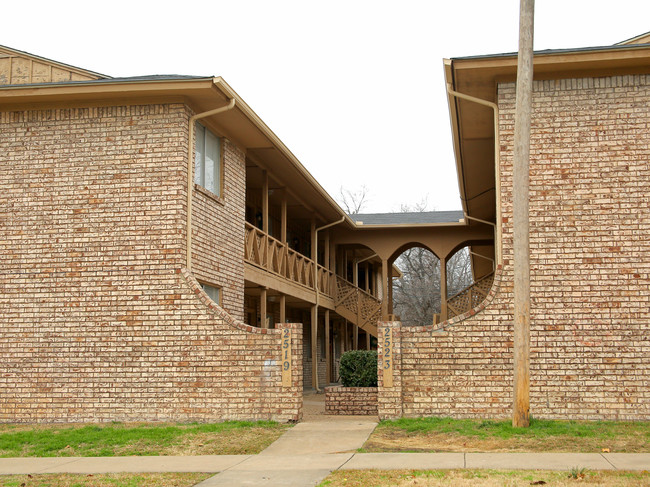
(353, 201)
(416, 295)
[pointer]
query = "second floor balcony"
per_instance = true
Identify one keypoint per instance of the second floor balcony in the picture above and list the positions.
(274, 264)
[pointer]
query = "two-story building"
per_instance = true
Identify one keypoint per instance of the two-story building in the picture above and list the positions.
(160, 246)
(155, 235)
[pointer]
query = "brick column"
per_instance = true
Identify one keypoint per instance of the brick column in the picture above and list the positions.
(289, 406)
(389, 399)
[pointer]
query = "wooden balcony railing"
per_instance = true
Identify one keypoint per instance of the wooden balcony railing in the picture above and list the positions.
(357, 306)
(276, 257)
(470, 297)
(268, 253)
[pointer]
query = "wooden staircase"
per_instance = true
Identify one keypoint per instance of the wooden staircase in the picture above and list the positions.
(357, 306)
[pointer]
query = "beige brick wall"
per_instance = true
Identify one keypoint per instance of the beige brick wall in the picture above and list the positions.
(218, 233)
(590, 271)
(343, 401)
(100, 323)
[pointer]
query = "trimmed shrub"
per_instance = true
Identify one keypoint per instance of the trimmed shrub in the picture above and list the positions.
(359, 368)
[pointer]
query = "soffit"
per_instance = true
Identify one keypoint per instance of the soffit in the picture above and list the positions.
(473, 126)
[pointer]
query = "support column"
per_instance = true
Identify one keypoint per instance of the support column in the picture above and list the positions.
(367, 341)
(326, 261)
(265, 201)
(367, 271)
(356, 337)
(390, 287)
(384, 289)
(314, 347)
(313, 239)
(263, 308)
(326, 248)
(283, 308)
(333, 265)
(355, 271)
(443, 289)
(374, 281)
(283, 219)
(328, 355)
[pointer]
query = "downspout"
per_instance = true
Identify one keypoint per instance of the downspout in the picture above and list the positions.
(497, 168)
(363, 260)
(190, 167)
(314, 361)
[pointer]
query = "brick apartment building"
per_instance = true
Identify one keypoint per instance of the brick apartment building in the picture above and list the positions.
(589, 246)
(159, 243)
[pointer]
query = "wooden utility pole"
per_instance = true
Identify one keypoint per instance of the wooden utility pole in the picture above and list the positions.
(521, 400)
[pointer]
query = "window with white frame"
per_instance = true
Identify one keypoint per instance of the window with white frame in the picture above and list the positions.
(208, 160)
(214, 293)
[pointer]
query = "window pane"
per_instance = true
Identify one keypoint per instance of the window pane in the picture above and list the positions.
(212, 292)
(212, 162)
(199, 174)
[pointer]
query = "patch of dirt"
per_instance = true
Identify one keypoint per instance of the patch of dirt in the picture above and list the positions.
(481, 478)
(101, 480)
(236, 442)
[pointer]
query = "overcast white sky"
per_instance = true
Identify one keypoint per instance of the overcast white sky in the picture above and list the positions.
(354, 88)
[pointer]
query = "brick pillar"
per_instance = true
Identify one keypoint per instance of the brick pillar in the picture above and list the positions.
(389, 399)
(289, 406)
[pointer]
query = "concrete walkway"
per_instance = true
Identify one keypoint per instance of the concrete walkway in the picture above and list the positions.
(344, 461)
(309, 451)
(305, 454)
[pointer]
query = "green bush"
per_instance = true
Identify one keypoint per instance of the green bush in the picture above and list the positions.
(359, 368)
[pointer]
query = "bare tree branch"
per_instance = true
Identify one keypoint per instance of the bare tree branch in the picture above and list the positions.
(416, 296)
(353, 201)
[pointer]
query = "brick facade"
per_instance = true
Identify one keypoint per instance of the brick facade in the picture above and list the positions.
(361, 401)
(100, 321)
(590, 272)
(218, 233)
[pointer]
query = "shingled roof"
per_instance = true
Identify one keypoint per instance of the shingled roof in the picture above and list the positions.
(408, 218)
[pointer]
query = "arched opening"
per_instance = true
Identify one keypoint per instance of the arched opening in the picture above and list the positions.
(431, 290)
(416, 293)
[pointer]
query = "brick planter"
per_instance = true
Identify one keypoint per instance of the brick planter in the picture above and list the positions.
(351, 400)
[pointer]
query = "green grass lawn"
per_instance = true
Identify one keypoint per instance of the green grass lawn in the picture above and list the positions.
(446, 434)
(115, 439)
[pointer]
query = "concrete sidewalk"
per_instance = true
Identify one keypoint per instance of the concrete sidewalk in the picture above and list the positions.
(333, 461)
(304, 455)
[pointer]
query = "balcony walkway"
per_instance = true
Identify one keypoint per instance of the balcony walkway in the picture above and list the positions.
(272, 263)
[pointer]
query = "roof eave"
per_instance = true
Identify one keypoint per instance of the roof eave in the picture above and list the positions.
(556, 64)
(92, 90)
(275, 140)
(453, 121)
(362, 226)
